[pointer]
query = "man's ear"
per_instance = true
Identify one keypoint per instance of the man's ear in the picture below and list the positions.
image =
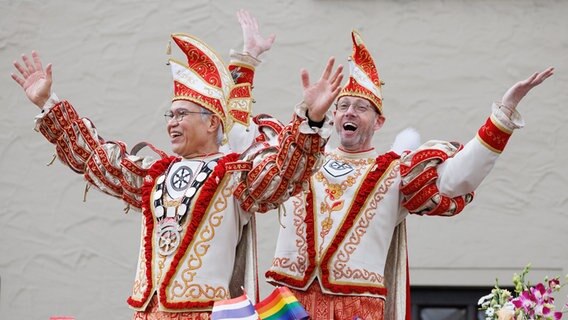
(214, 123)
(379, 122)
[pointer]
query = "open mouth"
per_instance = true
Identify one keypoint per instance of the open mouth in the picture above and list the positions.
(349, 126)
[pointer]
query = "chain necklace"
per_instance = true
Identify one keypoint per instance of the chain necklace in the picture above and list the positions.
(171, 213)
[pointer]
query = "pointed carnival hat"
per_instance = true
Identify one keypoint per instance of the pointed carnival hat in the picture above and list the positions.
(206, 81)
(364, 81)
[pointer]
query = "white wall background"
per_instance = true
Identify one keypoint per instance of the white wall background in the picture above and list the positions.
(444, 62)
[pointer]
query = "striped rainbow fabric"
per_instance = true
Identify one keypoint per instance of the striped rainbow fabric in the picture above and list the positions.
(239, 308)
(281, 305)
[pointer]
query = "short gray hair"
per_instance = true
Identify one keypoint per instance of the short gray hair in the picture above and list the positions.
(207, 113)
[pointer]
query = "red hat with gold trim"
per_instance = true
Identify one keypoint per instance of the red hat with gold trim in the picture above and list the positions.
(364, 78)
(206, 81)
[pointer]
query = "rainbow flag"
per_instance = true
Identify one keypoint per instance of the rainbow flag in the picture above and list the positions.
(281, 305)
(239, 308)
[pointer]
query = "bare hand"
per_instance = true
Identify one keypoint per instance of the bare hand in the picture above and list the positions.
(516, 93)
(320, 95)
(35, 81)
(254, 43)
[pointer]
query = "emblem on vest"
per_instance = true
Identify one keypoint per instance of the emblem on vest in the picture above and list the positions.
(337, 169)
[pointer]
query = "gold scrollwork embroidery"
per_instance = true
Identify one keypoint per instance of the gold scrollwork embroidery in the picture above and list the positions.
(161, 266)
(140, 282)
(359, 274)
(332, 201)
(199, 249)
(341, 270)
(300, 264)
(198, 292)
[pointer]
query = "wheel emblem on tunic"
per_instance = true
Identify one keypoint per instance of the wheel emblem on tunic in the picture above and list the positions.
(181, 178)
(168, 238)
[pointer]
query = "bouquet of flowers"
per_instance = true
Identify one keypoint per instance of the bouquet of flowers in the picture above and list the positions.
(529, 302)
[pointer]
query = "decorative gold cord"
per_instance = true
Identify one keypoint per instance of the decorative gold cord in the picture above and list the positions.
(52, 160)
(87, 187)
(281, 208)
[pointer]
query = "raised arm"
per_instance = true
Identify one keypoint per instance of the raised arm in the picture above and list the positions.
(104, 164)
(319, 96)
(517, 92)
(242, 68)
(35, 81)
(439, 177)
(254, 43)
(281, 167)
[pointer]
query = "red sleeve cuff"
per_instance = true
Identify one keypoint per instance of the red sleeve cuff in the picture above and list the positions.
(494, 135)
(242, 73)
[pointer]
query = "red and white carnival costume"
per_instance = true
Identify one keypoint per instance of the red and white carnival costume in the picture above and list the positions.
(194, 210)
(346, 234)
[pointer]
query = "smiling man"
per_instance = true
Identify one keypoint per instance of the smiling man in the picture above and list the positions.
(357, 120)
(197, 204)
(342, 246)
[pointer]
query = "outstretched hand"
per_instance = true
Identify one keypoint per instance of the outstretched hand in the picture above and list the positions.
(35, 81)
(320, 95)
(516, 93)
(254, 43)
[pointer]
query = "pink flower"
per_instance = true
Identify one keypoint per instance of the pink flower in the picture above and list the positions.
(524, 301)
(554, 283)
(531, 302)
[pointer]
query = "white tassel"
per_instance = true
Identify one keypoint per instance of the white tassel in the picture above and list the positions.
(407, 139)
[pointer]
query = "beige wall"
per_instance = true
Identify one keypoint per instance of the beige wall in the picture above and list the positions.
(444, 62)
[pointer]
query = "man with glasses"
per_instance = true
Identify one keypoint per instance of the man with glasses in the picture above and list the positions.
(342, 243)
(195, 205)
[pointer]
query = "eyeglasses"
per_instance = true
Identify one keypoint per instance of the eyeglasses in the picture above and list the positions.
(357, 108)
(179, 114)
